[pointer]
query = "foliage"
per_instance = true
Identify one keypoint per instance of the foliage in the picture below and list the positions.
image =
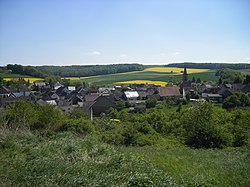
(235, 101)
(26, 70)
(210, 65)
(247, 79)
(151, 103)
(201, 129)
(230, 76)
(62, 159)
(80, 71)
(201, 126)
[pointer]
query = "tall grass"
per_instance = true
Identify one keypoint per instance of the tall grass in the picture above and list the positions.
(63, 159)
(211, 167)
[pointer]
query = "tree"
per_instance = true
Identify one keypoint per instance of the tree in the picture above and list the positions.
(244, 99)
(198, 80)
(220, 80)
(247, 79)
(151, 103)
(231, 102)
(201, 131)
(179, 108)
(238, 79)
(193, 79)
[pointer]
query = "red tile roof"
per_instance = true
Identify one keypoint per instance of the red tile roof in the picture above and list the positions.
(169, 91)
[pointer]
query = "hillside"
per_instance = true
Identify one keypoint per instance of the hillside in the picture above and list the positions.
(64, 159)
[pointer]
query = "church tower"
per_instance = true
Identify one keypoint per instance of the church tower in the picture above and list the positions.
(185, 75)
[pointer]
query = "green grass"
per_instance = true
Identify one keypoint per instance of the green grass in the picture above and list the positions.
(153, 76)
(64, 159)
(214, 167)
(4, 75)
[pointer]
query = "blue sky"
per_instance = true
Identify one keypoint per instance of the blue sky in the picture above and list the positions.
(60, 32)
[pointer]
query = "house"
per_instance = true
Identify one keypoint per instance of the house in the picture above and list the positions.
(71, 88)
(39, 83)
(91, 97)
(106, 90)
(246, 90)
(131, 95)
(74, 99)
(7, 101)
(62, 92)
(4, 92)
(57, 86)
(224, 92)
(51, 102)
(100, 105)
(169, 91)
(213, 97)
(25, 95)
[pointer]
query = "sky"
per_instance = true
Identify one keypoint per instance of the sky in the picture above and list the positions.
(84, 32)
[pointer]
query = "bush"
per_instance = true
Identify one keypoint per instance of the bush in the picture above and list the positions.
(80, 126)
(201, 130)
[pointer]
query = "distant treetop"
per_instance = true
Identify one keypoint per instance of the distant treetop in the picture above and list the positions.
(210, 65)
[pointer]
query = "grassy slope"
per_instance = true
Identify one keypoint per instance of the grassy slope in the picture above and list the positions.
(228, 167)
(62, 159)
(3, 75)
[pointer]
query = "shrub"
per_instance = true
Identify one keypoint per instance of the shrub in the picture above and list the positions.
(201, 131)
(80, 126)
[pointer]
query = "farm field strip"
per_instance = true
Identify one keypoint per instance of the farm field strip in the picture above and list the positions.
(31, 79)
(163, 74)
(157, 83)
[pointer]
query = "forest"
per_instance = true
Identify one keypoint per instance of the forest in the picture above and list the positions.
(70, 71)
(83, 71)
(235, 66)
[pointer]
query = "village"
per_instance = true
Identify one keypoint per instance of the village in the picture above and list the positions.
(95, 101)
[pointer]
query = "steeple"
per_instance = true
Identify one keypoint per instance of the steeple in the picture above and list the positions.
(185, 75)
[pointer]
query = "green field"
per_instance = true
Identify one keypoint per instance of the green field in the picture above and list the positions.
(146, 75)
(4, 75)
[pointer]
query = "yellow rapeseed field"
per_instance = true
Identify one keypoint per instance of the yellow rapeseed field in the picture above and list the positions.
(157, 83)
(31, 79)
(174, 70)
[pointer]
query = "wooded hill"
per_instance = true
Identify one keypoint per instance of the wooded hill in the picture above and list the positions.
(70, 71)
(82, 71)
(209, 65)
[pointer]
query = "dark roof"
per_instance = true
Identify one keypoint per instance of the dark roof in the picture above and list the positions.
(4, 90)
(169, 91)
(246, 89)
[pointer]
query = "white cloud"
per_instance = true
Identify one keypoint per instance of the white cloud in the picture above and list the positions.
(97, 53)
(176, 53)
(123, 56)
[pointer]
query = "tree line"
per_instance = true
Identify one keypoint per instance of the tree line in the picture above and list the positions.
(71, 71)
(81, 71)
(209, 65)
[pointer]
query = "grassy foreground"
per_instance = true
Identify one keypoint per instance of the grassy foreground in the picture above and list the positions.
(64, 159)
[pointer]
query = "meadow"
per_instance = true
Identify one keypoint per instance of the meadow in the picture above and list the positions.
(65, 159)
(161, 75)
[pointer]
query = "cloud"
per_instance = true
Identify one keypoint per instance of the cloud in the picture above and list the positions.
(176, 53)
(123, 56)
(97, 53)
